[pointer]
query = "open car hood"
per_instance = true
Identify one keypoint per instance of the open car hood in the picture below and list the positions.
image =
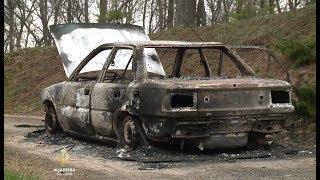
(76, 40)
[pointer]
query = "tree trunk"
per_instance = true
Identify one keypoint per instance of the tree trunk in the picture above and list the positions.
(291, 6)
(160, 14)
(103, 11)
(201, 14)
(19, 35)
(11, 23)
(185, 12)
(27, 40)
(43, 6)
(278, 6)
(226, 9)
(262, 4)
(152, 11)
(239, 7)
(57, 7)
(144, 14)
(69, 11)
(170, 13)
(271, 6)
(86, 11)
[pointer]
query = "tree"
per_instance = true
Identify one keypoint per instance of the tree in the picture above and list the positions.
(103, 11)
(86, 11)
(144, 13)
(11, 23)
(278, 6)
(215, 8)
(226, 9)
(69, 11)
(57, 6)
(43, 7)
(201, 14)
(170, 13)
(185, 12)
(161, 14)
(271, 7)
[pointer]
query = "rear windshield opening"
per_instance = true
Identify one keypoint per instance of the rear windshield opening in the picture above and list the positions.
(181, 101)
(280, 97)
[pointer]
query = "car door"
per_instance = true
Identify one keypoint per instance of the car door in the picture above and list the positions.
(108, 95)
(75, 109)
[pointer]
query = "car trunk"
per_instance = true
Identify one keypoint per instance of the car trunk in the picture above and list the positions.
(221, 97)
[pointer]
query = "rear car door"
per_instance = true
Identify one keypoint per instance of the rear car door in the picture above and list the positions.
(108, 95)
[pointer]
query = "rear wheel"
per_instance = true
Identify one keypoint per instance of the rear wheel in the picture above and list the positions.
(130, 136)
(52, 125)
(259, 140)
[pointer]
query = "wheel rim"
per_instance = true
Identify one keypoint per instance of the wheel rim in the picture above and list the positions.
(129, 132)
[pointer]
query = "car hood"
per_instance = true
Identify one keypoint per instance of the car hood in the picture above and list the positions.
(75, 41)
(218, 83)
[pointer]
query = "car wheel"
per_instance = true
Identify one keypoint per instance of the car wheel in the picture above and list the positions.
(258, 140)
(130, 136)
(52, 125)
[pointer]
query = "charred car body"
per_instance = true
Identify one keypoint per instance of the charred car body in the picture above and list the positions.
(120, 91)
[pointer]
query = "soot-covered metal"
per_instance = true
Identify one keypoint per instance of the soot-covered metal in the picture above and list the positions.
(136, 105)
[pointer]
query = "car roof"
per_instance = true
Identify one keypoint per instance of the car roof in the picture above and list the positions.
(166, 44)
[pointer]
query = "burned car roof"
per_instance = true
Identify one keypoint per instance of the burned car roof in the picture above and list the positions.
(167, 44)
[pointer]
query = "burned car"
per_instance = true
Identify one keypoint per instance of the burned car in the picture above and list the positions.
(117, 89)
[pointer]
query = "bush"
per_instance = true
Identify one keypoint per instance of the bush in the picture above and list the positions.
(302, 109)
(306, 103)
(302, 52)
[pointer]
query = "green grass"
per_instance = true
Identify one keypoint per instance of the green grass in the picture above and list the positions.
(13, 175)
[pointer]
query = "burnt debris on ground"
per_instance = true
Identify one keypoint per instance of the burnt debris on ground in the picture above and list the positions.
(28, 126)
(148, 156)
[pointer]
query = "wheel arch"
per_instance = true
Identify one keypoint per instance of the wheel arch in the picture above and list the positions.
(118, 118)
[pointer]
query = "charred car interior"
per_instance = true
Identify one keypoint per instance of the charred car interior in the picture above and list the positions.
(134, 91)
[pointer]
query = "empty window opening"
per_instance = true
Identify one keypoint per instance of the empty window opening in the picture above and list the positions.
(181, 101)
(280, 97)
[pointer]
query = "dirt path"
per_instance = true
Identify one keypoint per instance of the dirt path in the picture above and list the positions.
(41, 160)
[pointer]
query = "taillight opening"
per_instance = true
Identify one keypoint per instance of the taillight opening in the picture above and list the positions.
(280, 97)
(180, 101)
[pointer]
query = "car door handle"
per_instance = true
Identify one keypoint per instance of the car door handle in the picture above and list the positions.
(86, 91)
(116, 93)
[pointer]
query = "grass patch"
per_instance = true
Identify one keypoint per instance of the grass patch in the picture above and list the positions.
(301, 51)
(305, 105)
(13, 175)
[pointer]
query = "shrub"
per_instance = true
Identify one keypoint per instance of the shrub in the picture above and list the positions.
(302, 52)
(306, 103)
(302, 109)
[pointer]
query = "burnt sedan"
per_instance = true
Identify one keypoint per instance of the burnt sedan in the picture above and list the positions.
(120, 91)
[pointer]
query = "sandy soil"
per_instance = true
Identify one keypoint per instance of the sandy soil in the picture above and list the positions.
(41, 160)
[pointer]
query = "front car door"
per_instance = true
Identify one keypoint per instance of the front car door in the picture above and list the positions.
(77, 91)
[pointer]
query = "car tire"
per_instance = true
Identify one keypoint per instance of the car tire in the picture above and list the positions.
(52, 125)
(130, 135)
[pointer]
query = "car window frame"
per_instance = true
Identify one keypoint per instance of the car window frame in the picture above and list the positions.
(87, 59)
(110, 59)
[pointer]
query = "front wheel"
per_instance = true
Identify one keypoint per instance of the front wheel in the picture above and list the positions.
(130, 133)
(52, 125)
